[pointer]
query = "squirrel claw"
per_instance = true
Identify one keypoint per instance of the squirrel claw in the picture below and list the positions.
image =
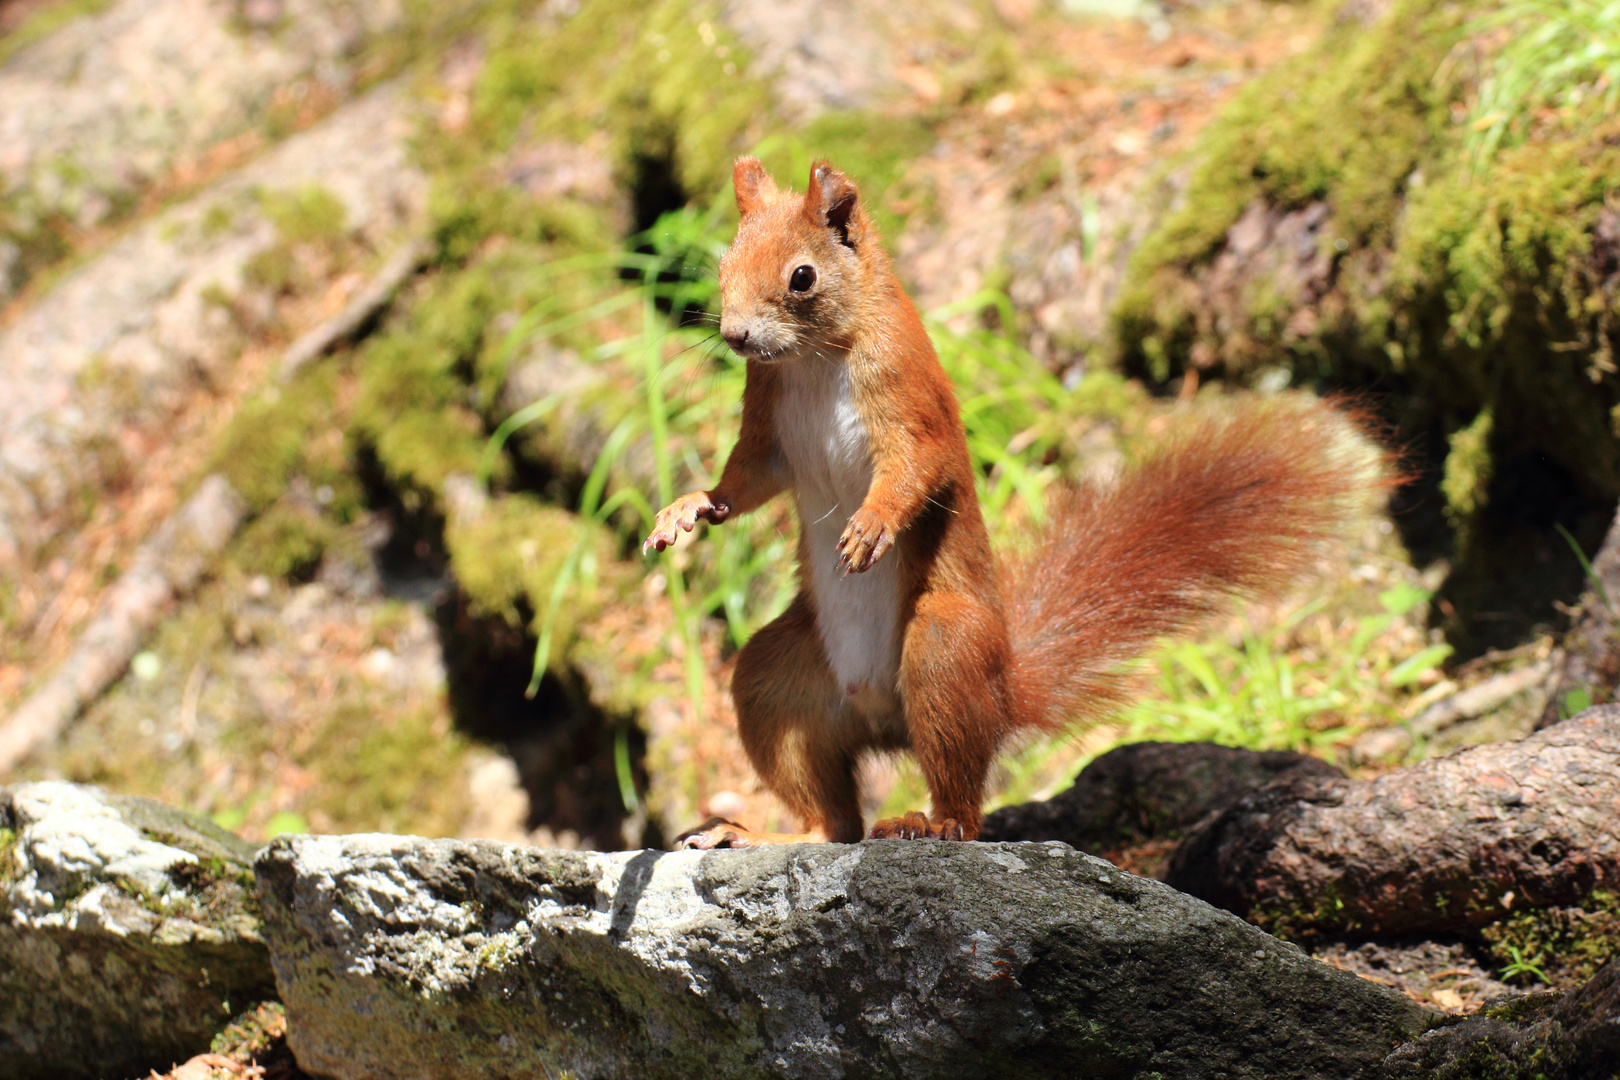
(915, 826)
(682, 515)
(866, 538)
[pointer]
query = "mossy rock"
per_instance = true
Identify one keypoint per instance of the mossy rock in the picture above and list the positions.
(665, 80)
(522, 561)
(129, 932)
(289, 432)
(1566, 944)
(1339, 228)
(287, 542)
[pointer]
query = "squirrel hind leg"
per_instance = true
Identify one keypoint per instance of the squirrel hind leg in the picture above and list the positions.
(953, 673)
(789, 708)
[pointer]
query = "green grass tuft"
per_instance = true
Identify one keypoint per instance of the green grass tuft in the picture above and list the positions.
(1300, 685)
(1555, 55)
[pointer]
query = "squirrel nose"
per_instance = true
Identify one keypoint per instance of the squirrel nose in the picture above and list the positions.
(736, 337)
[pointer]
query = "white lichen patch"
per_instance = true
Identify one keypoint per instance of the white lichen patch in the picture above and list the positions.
(79, 863)
(1007, 859)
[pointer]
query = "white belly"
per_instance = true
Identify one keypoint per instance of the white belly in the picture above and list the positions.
(829, 455)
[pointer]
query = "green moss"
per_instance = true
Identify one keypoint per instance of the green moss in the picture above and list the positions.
(1458, 278)
(431, 384)
(307, 215)
(46, 21)
(422, 448)
(288, 541)
(873, 148)
(8, 858)
(275, 269)
(217, 221)
(1468, 468)
(415, 403)
(405, 771)
(665, 80)
(508, 562)
(1518, 1010)
(1346, 121)
(1568, 943)
(1474, 296)
(494, 955)
(286, 432)
(252, 1032)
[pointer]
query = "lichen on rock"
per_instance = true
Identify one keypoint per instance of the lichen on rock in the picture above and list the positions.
(128, 932)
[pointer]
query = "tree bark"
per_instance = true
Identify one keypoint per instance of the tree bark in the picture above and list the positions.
(1447, 843)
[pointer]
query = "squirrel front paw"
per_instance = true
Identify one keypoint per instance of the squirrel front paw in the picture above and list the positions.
(683, 515)
(865, 539)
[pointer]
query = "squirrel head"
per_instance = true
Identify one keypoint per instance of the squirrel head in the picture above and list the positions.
(798, 277)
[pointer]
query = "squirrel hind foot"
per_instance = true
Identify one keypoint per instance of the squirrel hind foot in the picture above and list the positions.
(916, 826)
(717, 832)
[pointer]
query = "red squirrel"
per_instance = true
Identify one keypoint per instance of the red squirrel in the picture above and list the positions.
(906, 635)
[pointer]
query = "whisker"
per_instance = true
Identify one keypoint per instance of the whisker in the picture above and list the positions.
(833, 510)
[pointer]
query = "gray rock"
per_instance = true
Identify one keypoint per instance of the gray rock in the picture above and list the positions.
(401, 957)
(128, 932)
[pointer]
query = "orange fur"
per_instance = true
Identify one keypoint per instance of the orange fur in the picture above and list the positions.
(904, 634)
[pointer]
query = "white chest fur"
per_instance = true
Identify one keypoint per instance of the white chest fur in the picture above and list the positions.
(829, 456)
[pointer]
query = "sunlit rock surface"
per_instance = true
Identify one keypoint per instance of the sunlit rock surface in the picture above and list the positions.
(401, 957)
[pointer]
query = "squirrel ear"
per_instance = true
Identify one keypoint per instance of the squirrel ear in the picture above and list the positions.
(833, 201)
(754, 185)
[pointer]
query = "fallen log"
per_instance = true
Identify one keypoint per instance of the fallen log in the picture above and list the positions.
(169, 563)
(1452, 842)
(1146, 791)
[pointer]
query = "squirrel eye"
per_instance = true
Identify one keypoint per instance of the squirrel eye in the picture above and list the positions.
(803, 279)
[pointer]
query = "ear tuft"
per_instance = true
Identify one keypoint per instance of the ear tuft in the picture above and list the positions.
(833, 202)
(754, 185)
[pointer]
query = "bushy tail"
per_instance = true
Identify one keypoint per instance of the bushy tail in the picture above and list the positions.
(1239, 504)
